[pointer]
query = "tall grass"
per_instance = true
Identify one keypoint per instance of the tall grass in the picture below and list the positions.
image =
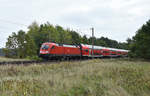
(100, 77)
(11, 59)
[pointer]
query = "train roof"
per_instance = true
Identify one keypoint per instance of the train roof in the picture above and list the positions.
(115, 49)
(101, 47)
(88, 46)
(95, 47)
(65, 45)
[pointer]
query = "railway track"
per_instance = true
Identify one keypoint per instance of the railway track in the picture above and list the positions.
(26, 62)
(41, 62)
(35, 62)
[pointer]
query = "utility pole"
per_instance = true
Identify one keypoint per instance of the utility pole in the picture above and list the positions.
(92, 39)
(49, 36)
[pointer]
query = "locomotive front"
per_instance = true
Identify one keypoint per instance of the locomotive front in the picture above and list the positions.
(45, 50)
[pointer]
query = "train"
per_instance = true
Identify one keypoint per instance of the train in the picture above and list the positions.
(50, 50)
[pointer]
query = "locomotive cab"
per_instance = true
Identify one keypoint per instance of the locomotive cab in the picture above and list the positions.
(46, 49)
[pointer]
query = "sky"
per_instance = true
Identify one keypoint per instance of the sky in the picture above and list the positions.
(115, 19)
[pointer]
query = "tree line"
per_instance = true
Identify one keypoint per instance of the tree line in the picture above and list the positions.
(27, 44)
(139, 44)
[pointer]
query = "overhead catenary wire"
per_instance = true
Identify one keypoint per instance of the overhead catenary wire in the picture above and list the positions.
(20, 24)
(12, 22)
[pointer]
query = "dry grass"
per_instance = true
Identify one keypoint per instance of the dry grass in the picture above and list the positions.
(10, 59)
(100, 77)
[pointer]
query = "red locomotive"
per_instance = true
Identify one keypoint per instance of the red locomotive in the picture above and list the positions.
(54, 50)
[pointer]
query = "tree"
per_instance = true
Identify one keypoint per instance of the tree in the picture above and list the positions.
(100, 42)
(84, 39)
(20, 45)
(30, 47)
(140, 46)
(34, 34)
(21, 40)
(63, 35)
(11, 46)
(75, 37)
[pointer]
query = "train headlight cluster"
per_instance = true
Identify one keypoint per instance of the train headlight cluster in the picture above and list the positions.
(44, 52)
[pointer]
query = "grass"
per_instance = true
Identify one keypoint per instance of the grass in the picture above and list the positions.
(100, 77)
(10, 59)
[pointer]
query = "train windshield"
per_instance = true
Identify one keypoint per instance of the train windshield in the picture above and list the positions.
(45, 47)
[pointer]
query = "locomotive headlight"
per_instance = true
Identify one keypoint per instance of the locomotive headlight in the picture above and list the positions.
(46, 52)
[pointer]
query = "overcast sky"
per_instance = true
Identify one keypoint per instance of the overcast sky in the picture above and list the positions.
(115, 19)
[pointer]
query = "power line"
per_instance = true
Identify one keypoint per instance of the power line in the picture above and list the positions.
(16, 23)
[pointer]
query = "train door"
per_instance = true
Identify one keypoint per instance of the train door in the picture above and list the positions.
(90, 52)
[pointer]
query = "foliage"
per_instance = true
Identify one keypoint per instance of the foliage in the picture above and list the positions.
(84, 40)
(75, 37)
(19, 45)
(140, 43)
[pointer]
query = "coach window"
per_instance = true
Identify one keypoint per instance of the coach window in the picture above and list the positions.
(119, 52)
(86, 50)
(105, 52)
(53, 47)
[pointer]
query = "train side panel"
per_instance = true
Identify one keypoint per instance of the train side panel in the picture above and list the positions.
(72, 51)
(57, 50)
